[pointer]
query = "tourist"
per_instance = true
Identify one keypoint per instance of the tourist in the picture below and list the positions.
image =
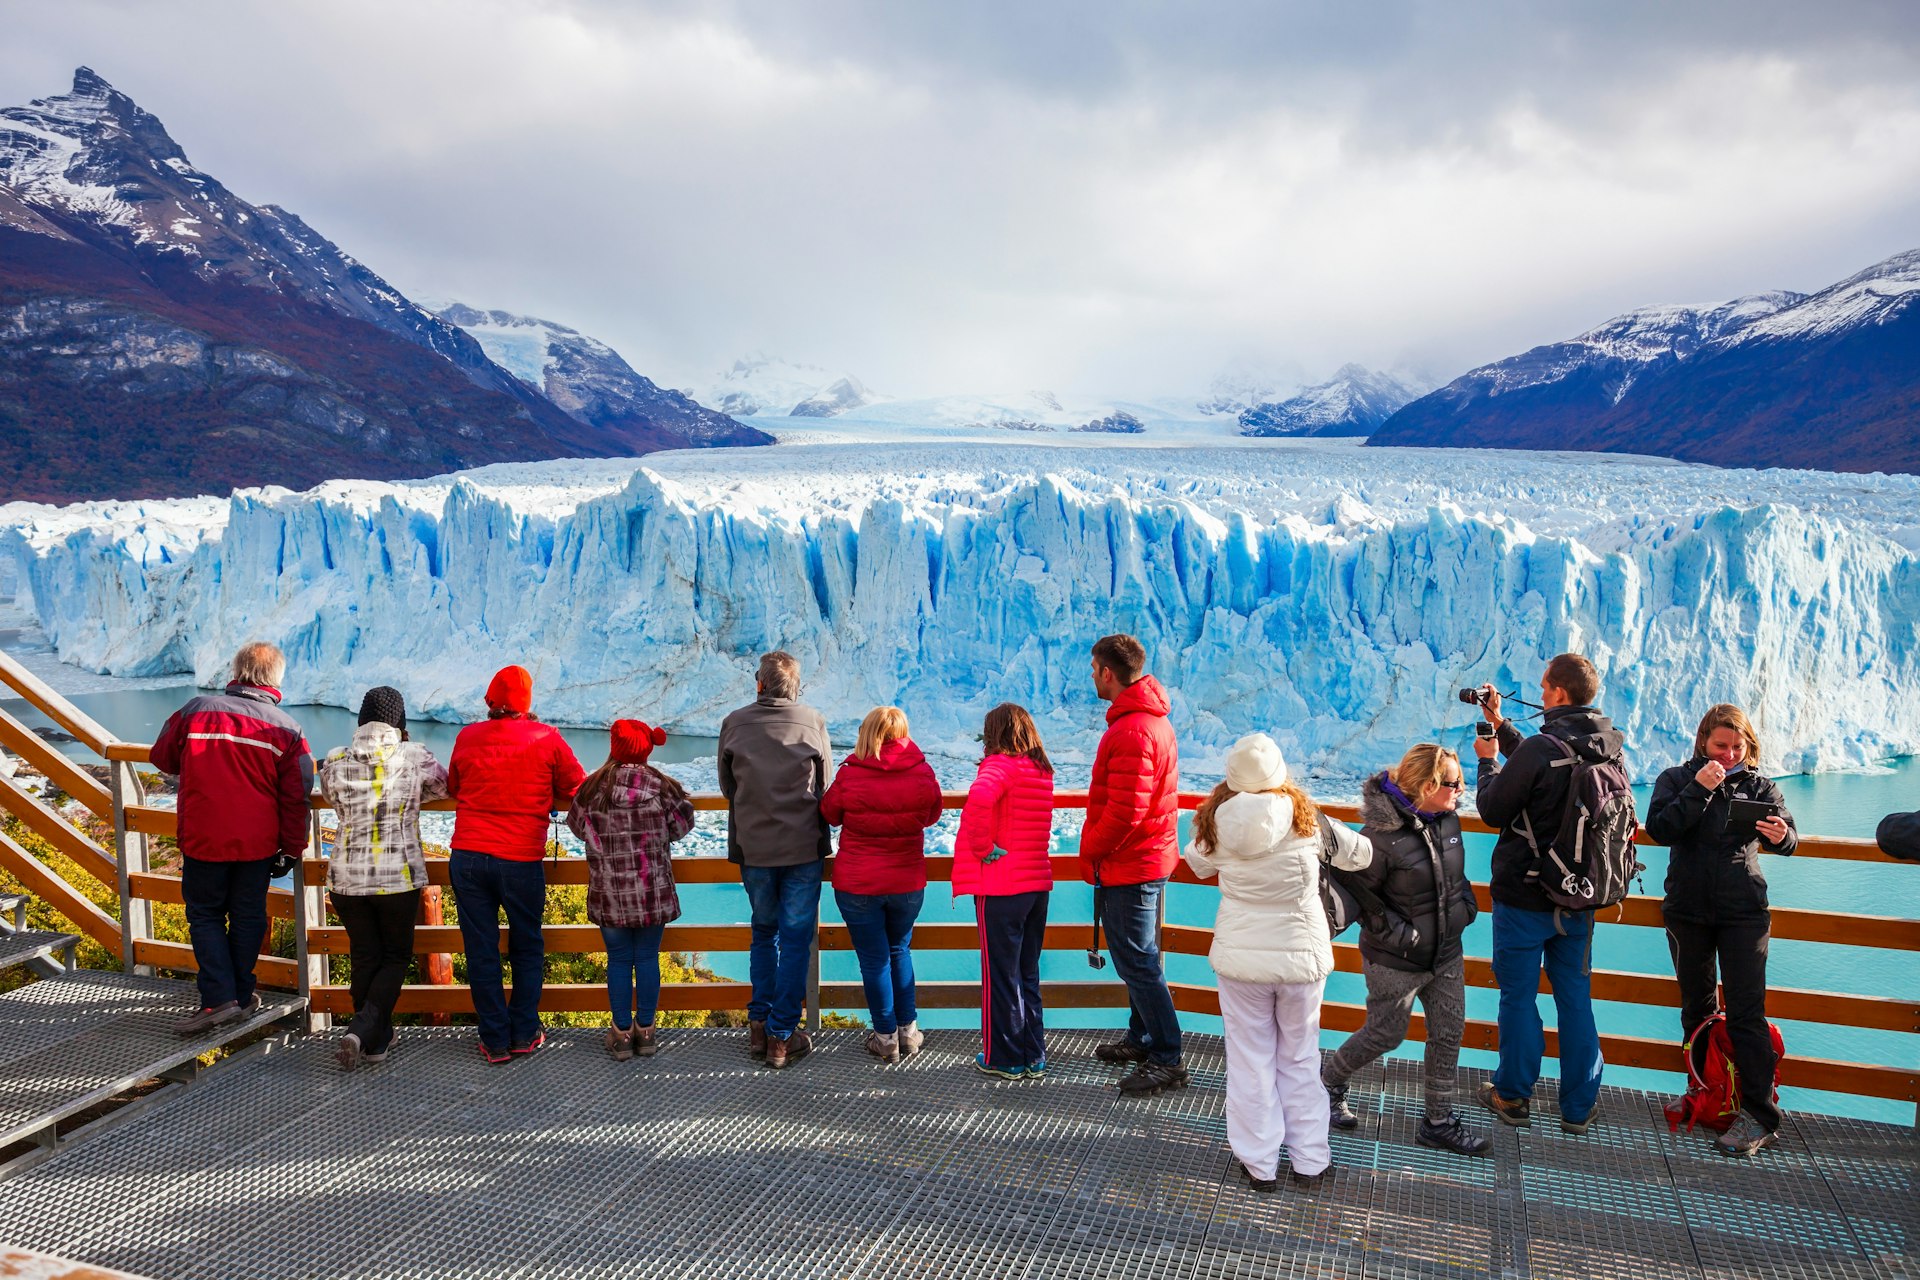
(245, 776)
(1128, 849)
(508, 774)
(1410, 941)
(1272, 951)
(377, 871)
(885, 796)
(1718, 921)
(628, 814)
(775, 765)
(1899, 836)
(1001, 857)
(1530, 794)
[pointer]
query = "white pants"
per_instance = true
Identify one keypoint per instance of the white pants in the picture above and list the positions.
(1274, 1094)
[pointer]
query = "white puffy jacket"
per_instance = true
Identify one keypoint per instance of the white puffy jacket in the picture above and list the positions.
(1271, 926)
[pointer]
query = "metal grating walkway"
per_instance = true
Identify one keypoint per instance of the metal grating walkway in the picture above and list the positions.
(29, 945)
(698, 1163)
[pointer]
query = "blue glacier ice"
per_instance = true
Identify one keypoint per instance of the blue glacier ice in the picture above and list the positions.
(1332, 596)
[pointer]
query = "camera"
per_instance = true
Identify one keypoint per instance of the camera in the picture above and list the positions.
(1482, 729)
(1472, 696)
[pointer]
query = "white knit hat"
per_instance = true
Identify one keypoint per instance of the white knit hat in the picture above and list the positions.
(1255, 764)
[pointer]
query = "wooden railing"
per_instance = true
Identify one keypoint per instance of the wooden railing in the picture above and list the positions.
(315, 940)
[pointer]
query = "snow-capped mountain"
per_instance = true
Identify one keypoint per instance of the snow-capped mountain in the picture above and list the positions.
(592, 382)
(1245, 382)
(763, 385)
(1828, 380)
(1354, 402)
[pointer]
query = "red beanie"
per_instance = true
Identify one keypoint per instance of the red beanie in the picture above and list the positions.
(634, 741)
(511, 690)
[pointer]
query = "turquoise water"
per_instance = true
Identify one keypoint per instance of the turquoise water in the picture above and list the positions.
(1828, 804)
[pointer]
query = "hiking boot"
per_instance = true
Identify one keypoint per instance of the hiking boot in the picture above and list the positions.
(644, 1045)
(1152, 1077)
(1339, 1115)
(1310, 1181)
(911, 1038)
(348, 1054)
(620, 1043)
(1258, 1184)
(1578, 1126)
(782, 1052)
(494, 1056)
(1451, 1135)
(757, 1039)
(1037, 1070)
(884, 1045)
(1744, 1137)
(206, 1019)
(1120, 1051)
(524, 1048)
(1513, 1111)
(984, 1067)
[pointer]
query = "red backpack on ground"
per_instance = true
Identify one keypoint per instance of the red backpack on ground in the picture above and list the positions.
(1713, 1083)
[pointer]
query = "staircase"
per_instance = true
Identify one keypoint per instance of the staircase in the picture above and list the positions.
(47, 954)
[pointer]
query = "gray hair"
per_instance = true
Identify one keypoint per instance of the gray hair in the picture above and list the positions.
(259, 663)
(779, 675)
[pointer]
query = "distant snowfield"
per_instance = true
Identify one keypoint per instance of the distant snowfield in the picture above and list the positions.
(1330, 594)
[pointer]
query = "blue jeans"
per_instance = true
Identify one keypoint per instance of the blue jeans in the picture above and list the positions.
(1131, 915)
(633, 969)
(226, 907)
(1521, 939)
(882, 929)
(785, 902)
(482, 886)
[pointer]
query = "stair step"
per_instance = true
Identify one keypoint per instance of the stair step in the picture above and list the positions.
(34, 944)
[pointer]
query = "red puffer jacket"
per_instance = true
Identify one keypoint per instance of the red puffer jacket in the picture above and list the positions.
(885, 803)
(1133, 806)
(244, 772)
(1010, 807)
(505, 776)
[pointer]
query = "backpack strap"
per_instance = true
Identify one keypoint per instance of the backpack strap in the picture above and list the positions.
(1524, 826)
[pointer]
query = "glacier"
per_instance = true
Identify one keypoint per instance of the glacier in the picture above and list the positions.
(1332, 596)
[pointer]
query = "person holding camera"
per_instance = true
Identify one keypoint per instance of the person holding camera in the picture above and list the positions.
(1716, 814)
(1527, 800)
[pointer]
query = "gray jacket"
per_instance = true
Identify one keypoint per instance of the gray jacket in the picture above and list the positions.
(775, 764)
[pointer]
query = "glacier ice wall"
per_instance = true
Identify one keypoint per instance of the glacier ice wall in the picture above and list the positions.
(1284, 603)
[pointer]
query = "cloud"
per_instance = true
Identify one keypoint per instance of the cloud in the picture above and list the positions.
(1113, 197)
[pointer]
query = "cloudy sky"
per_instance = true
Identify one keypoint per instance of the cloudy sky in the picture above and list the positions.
(1104, 197)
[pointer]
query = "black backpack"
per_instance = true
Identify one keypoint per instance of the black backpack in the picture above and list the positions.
(1346, 900)
(1590, 861)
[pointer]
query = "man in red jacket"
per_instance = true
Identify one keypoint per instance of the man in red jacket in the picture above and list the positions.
(245, 774)
(507, 774)
(1128, 849)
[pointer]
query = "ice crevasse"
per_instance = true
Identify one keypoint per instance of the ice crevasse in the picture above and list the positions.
(1268, 598)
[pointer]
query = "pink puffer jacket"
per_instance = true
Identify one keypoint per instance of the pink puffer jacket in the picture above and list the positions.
(1010, 807)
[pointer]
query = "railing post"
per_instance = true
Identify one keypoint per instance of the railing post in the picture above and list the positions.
(129, 857)
(309, 911)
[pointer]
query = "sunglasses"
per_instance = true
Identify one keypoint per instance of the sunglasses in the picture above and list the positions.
(1458, 784)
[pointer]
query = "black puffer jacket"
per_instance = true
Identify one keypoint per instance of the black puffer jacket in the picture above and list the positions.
(1533, 783)
(1418, 868)
(1713, 873)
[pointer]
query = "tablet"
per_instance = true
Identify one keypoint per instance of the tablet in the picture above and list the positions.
(1748, 812)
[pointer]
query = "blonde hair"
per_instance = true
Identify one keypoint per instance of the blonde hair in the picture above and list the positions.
(1420, 768)
(260, 664)
(1725, 715)
(1206, 831)
(882, 725)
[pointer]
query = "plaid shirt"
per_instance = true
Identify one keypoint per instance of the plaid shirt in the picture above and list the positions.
(629, 877)
(376, 785)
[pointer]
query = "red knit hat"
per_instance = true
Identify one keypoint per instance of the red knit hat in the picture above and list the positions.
(634, 741)
(511, 690)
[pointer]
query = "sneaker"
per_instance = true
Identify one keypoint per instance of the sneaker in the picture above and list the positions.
(1037, 1070)
(1120, 1051)
(526, 1047)
(375, 1058)
(884, 1046)
(248, 1007)
(644, 1045)
(1152, 1077)
(1258, 1184)
(911, 1038)
(981, 1065)
(1339, 1115)
(348, 1054)
(1310, 1181)
(1451, 1135)
(494, 1056)
(780, 1053)
(1578, 1126)
(1513, 1111)
(620, 1043)
(1744, 1137)
(206, 1019)
(757, 1039)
